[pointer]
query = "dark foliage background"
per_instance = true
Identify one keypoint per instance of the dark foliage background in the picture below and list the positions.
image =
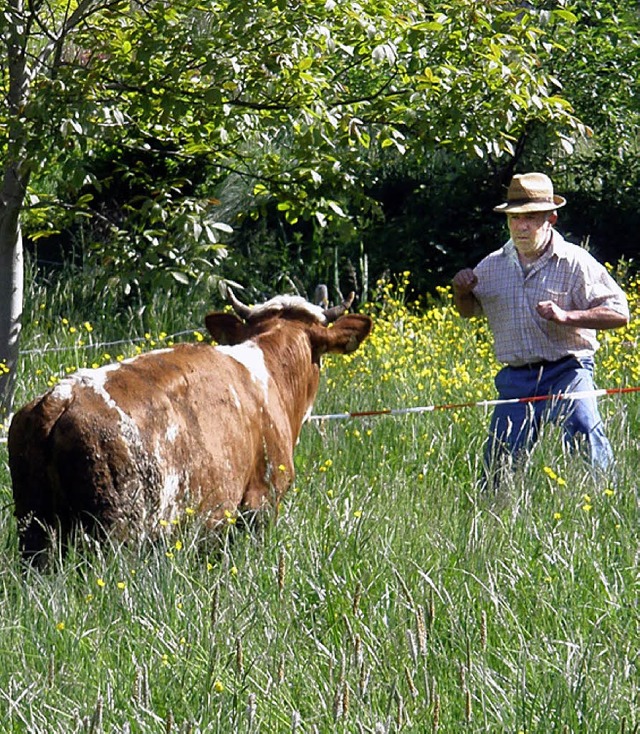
(430, 222)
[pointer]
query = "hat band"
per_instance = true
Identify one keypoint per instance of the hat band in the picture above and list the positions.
(520, 202)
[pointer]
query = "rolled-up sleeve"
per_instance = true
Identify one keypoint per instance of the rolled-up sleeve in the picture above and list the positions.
(600, 289)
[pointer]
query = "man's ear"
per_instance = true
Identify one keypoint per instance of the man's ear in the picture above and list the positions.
(226, 328)
(344, 336)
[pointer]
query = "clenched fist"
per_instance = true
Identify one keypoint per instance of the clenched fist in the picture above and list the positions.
(464, 281)
(551, 312)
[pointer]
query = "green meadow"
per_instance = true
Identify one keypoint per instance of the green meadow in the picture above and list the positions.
(390, 594)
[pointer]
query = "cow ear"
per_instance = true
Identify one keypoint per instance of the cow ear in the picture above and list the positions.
(226, 328)
(346, 334)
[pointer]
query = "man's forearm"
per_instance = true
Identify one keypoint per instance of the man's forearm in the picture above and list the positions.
(466, 303)
(600, 317)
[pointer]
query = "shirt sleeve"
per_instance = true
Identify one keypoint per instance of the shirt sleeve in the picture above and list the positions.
(600, 289)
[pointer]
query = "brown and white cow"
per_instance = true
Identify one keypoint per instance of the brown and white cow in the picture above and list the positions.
(127, 448)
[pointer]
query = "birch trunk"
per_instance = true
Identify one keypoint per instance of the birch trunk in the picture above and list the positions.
(15, 177)
(11, 300)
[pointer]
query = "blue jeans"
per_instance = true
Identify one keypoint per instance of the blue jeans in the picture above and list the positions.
(515, 427)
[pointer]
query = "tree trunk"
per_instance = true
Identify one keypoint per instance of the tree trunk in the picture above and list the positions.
(15, 178)
(11, 298)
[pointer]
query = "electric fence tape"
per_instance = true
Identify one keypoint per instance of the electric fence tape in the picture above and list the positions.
(576, 395)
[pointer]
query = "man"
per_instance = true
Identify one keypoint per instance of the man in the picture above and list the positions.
(544, 299)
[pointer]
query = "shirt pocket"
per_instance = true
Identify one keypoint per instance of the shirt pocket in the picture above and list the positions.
(561, 298)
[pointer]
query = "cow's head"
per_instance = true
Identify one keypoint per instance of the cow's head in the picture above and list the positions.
(329, 330)
(287, 336)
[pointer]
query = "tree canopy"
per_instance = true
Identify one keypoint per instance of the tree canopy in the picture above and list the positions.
(301, 101)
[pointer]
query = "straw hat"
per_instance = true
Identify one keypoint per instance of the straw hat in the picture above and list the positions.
(530, 192)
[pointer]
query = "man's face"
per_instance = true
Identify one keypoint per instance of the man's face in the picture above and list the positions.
(530, 232)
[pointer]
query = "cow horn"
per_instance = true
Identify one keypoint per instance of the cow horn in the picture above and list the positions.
(331, 314)
(240, 308)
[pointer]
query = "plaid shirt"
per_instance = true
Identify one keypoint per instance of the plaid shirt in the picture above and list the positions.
(508, 295)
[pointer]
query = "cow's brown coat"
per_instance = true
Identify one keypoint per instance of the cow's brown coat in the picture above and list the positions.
(126, 449)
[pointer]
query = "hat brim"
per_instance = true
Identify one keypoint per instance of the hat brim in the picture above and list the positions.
(526, 207)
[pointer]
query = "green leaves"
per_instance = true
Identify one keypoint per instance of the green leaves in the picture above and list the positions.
(302, 101)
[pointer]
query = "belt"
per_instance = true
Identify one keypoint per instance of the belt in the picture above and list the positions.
(543, 363)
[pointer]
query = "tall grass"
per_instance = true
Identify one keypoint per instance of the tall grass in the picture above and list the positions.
(390, 595)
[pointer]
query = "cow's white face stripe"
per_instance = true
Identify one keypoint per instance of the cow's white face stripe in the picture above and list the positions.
(250, 356)
(282, 303)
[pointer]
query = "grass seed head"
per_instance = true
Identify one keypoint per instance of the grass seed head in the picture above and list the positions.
(400, 710)
(96, 719)
(215, 601)
(357, 594)
(363, 680)
(422, 631)
(435, 722)
(282, 570)
(358, 654)
(410, 683)
(413, 646)
(483, 630)
(463, 676)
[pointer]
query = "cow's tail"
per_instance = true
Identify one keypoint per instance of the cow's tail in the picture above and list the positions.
(34, 493)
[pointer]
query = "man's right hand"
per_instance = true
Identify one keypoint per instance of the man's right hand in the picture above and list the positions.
(464, 281)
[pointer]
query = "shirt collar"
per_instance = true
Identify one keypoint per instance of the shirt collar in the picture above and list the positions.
(558, 247)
